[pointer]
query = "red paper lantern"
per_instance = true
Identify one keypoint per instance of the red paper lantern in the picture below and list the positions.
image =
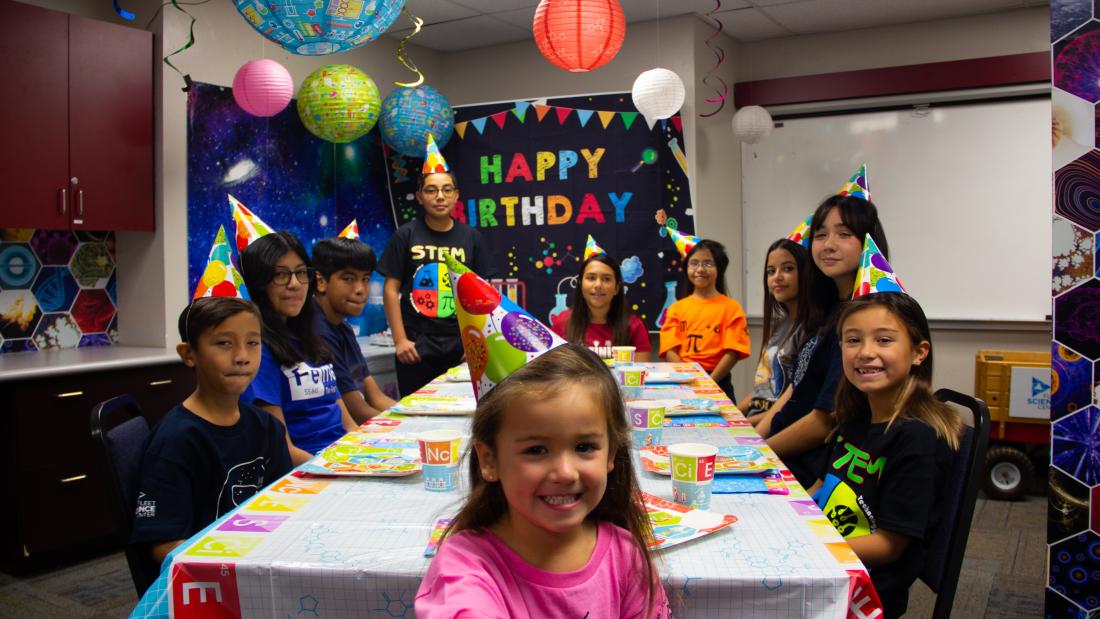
(579, 35)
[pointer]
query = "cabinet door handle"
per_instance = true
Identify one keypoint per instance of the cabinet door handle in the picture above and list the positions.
(80, 203)
(63, 203)
(157, 383)
(69, 480)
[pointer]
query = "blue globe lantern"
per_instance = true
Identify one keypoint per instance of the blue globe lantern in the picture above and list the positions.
(408, 114)
(320, 27)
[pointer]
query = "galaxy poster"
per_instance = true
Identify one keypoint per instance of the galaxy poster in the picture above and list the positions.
(537, 177)
(288, 177)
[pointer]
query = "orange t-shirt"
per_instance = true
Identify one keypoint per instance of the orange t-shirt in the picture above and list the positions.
(704, 329)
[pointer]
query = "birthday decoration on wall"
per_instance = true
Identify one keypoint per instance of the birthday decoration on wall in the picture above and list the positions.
(410, 114)
(875, 274)
(499, 336)
(279, 171)
(579, 35)
(262, 87)
(338, 103)
(538, 177)
(320, 27)
(220, 278)
(720, 93)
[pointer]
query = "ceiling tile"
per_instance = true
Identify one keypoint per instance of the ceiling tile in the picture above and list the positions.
(522, 18)
(748, 25)
(494, 6)
(434, 11)
(480, 31)
(839, 15)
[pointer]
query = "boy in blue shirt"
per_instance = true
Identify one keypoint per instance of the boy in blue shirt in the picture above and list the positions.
(212, 452)
(344, 269)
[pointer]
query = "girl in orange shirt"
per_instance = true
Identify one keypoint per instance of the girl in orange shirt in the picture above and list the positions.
(706, 326)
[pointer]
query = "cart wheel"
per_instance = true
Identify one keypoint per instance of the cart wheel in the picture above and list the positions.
(1009, 474)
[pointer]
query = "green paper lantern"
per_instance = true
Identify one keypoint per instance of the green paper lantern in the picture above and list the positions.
(338, 103)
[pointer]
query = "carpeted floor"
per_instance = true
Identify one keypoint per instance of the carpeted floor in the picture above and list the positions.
(1003, 575)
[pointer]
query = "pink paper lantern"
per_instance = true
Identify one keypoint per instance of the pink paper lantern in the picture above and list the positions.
(262, 87)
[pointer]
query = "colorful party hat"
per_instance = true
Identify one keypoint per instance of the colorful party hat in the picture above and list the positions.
(351, 231)
(249, 227)
(591, 248)
(801, 232)
(875, 273)
(684, 242)
(434, 162)
(857, 185)
(220, 278)
(499, 336)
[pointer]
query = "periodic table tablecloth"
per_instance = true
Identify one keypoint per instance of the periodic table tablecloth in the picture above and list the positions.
(354, 546)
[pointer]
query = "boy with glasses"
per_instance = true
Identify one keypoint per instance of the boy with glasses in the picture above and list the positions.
(417, 298)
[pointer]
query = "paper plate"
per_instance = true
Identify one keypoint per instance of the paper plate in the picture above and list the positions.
(435, 405)
(669, 378)
(458, 374)
(384, 456)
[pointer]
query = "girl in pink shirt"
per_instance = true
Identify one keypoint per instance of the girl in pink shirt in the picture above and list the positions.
(552, 526)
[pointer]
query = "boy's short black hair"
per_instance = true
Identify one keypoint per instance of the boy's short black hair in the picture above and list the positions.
(333, 254)
(208, 312)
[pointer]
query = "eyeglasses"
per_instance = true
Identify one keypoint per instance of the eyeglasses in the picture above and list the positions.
(432, 190)
(282, 278)
(705, 264)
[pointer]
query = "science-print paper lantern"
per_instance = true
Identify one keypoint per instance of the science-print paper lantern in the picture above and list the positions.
(579, 35)
(262, 87)
(409, 114)
(338, 103)
(319, 27)
(658, 93)
(752, 123)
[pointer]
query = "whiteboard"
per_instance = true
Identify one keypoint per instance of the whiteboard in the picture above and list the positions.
(963, 192)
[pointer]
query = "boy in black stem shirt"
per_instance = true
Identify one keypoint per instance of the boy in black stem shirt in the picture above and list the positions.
(344, 267)
(417, 295)
(212, 452)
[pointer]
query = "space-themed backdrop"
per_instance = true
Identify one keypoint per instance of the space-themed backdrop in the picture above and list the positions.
(284, 174)
(537, 177)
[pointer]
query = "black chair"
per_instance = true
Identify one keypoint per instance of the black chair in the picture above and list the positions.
(120, 429)
(945, 549)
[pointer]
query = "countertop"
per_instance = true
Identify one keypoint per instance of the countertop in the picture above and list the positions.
(61, 361)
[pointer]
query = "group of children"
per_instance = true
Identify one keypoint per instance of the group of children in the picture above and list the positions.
(552, 524)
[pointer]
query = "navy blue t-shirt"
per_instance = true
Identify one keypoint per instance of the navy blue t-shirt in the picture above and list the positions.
(347, 358)
(194, 471)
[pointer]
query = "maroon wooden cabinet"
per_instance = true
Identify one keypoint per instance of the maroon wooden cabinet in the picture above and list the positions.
(76, 120)
(60, 488)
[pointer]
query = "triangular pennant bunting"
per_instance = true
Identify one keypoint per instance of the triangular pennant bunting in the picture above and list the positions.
(628, 118)
(583, 116)
(498, 118)
(678, 123)
(460, 129)
(521, 110)
(563, 113)
(479, 123)
(606, 118)
(541, 110)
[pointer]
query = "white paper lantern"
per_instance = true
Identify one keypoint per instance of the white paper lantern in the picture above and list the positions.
(752, 123)
(658, 93)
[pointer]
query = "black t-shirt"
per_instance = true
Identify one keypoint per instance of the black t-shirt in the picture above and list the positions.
(347, 358)
(414, 255)
(887, 479)
(817, 370)
(194, 471)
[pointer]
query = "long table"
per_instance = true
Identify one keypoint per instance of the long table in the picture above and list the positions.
(354, 546)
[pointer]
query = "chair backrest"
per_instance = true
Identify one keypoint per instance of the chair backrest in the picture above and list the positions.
(946, 546)
(120, 429)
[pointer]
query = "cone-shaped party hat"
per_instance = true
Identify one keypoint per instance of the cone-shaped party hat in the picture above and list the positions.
(249, 227)
(591, 248)
(351, 231)
(434, 162)
(684, 242)
(875, 273)
(801, 232)
(857, 185)
(499, 336)
(220, 278)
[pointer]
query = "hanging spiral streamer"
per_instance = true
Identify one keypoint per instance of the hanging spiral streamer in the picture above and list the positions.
(189, 43)
(403, 57)
(123, 13)
(720, 56)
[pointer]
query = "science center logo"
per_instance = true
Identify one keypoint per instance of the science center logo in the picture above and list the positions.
(1040, 394)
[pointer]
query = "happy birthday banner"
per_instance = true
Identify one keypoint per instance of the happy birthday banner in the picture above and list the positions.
(535, 178)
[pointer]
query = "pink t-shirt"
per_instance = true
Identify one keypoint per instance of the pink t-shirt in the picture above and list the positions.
(476, 575)
(599, 335)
